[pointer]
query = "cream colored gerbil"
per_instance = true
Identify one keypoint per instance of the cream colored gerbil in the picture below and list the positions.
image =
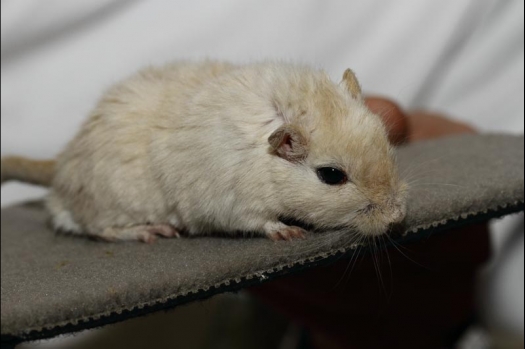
(214, 147)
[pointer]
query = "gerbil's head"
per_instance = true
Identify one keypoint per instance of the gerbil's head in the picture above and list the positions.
(336, 167)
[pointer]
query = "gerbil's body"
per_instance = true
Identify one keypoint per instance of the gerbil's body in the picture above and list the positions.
(208, 147)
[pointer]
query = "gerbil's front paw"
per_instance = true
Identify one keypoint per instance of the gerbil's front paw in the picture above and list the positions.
(280, 231)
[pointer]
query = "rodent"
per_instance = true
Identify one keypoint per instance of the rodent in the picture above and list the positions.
(204, 147)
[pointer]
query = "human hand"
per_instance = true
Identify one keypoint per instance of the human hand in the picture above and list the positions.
(416, 125)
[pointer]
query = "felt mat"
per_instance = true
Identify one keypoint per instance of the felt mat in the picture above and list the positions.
(53, 283)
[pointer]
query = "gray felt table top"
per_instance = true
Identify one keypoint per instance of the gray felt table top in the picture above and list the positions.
(59, 283)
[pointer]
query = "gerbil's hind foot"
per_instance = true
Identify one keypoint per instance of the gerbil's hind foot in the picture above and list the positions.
(145, 233)
(280, 231)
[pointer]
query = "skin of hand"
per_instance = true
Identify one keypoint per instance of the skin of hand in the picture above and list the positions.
(425, 295)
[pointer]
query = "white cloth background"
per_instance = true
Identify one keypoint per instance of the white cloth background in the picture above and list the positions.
(462, 57)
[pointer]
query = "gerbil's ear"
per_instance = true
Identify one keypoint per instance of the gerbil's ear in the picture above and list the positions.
(289, 143)
(351, 84)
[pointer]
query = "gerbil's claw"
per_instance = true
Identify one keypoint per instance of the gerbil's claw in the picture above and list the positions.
(286, 233)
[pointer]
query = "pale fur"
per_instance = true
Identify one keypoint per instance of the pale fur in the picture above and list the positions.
(39, 172)
(186, 146)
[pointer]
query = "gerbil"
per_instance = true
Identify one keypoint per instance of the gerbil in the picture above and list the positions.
(214, 147)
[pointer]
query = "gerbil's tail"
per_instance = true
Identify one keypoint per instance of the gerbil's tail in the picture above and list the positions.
(39, 172)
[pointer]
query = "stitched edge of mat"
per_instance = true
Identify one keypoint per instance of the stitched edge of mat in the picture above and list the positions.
(252, 279)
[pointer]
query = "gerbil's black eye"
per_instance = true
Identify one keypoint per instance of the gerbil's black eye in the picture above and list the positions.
(331, 176)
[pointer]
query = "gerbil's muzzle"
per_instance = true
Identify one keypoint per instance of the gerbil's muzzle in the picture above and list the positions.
(398, 215)
(378, 219)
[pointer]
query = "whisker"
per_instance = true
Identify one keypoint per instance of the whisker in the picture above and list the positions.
(413, 185)
(396, 244)
(351, 264)
(385, 248)
(377, 266)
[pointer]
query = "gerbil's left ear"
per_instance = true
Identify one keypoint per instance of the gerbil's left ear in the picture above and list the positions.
(351, 84)
(289, 143)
